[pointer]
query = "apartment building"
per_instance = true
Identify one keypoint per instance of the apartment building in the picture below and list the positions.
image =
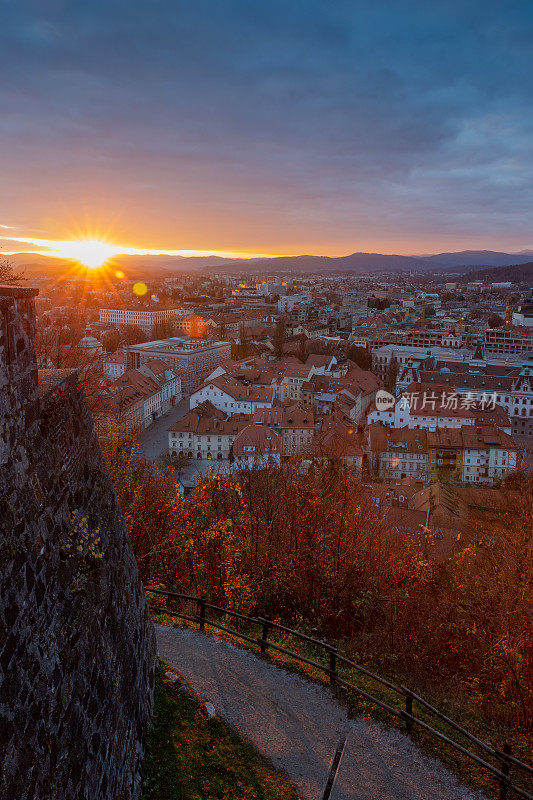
(511, 386)
(316, 330)
(286, 304)
(191, 359)
(403, 354)
(167, 380)
(337, 440)
(470, 454)
(296, 427)
(509, 339)
(138, 397)
(268, 288)
(433, 406)
(294, 378)
(397, 453)
(355, 391)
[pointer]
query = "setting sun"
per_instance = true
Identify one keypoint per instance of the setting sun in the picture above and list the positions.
(92, 253)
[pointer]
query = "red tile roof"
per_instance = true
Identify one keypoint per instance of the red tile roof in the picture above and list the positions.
(263, 439)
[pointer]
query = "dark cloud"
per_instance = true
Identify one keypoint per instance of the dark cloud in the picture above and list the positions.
(406, 114)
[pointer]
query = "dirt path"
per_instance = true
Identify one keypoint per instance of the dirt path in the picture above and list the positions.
(297, 724)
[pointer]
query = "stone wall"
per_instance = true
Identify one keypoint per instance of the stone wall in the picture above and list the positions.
(76, 642)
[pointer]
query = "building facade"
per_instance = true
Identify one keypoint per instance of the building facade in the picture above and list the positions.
(205, 432)
(191, 359)
(233, 397)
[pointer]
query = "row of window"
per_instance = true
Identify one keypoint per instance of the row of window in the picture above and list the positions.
(180, 436)
(199, 447)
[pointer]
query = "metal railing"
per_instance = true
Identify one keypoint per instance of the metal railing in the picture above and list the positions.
(503, 757)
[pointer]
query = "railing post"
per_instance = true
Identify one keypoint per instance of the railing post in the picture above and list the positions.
(408, 708)
(201, 611)
(505, 769)
(332, 664)
(263, 643)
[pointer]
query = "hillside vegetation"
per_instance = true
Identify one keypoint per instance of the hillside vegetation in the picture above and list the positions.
(312, 549)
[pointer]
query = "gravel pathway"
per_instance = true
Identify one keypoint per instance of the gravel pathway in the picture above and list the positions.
(297, 725)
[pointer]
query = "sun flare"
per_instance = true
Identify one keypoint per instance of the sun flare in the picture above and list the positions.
(92, 253)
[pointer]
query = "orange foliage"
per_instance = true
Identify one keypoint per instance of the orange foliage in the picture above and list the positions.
(312, 547)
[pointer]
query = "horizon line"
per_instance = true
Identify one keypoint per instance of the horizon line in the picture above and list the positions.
(65, 249)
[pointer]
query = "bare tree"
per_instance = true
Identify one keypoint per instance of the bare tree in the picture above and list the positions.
(133, 334)
(56, 348)
(8, 274)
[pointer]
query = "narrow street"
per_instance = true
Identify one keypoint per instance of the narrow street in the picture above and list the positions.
(154, 440)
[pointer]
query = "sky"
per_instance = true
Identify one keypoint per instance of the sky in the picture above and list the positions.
(279, 127)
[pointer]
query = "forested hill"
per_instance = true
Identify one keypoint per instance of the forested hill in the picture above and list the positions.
(516, 273)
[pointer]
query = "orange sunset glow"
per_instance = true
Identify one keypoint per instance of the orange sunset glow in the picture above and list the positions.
(94, 252)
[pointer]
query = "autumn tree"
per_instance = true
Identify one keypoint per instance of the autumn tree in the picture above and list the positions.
(495, 321)
(111, 341)
(302, 347)
(306, 543)
(393, 369)
(360, 356)
(279, 338)
(164, 330)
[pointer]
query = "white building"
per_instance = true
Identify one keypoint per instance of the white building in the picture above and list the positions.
(142, 318)
(472, 454)
(524, 315)
(233, 397)
(168, 381)
(396, 454)
(403, 353)
(511, 386)
(469, 454)
(432, 407)
(114, 365)
(140, 396)
(487, 463)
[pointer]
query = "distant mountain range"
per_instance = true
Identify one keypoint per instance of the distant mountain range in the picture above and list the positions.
(478, 258)
(377, 262)
(161, 266)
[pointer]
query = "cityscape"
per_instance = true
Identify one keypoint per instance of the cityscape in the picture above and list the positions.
(411, 378)
(266, 401)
